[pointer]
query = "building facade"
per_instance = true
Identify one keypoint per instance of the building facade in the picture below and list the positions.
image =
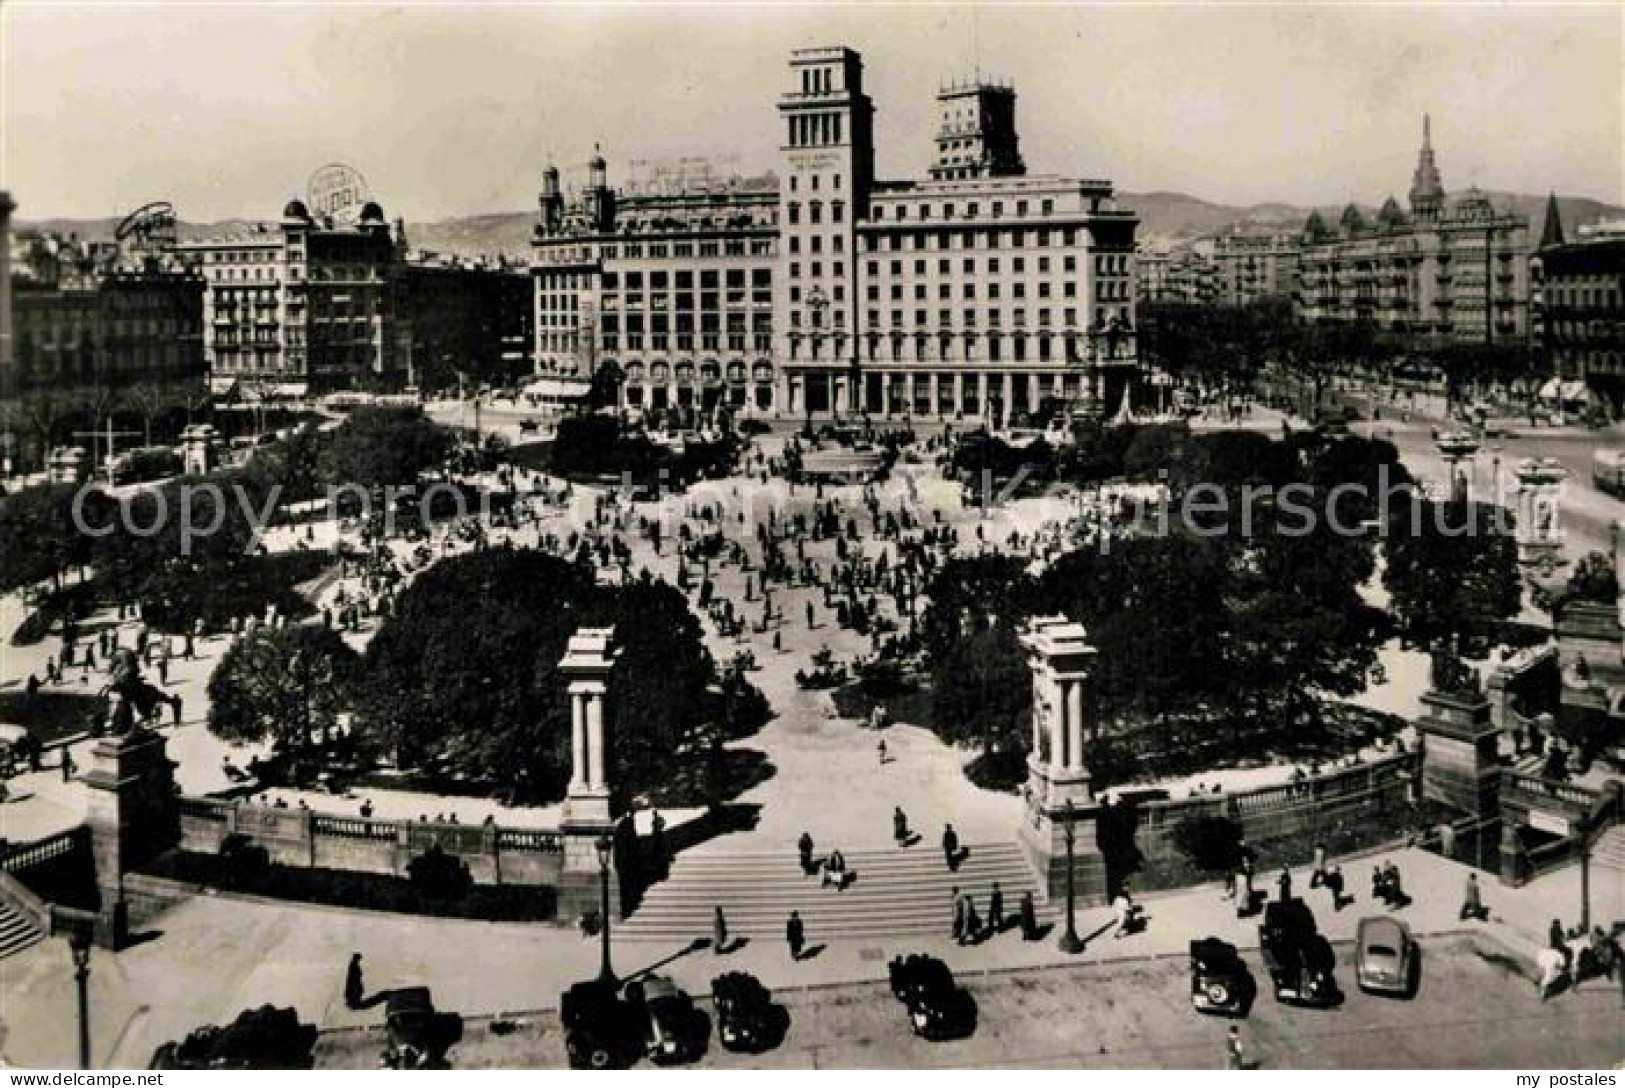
(300, 307)
(671, 292)
(83, 318)
(978, 292)
(1582, 315)
(1251, 265)
(1447, 270)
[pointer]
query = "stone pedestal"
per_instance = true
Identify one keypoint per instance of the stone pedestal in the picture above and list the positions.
(133, 814)
(1459, 765)
(1043, 842)
(1514, 867)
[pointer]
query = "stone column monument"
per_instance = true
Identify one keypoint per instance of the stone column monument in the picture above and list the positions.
(1540, 540)
(1458, 448)
(197, 443)
(1062, 661)
(590, 806)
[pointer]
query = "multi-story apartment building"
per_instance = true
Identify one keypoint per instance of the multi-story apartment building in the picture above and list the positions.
(299, 307)
(468, 318)
(673, 292)
(1580, 311)
(84, 318)
(978, 292)
(1447, 270)
(1250, 265)
(1187, 274)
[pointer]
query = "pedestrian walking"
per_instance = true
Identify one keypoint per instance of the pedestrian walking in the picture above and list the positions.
(950, 847)
(1234, 1050)
(959, 914)
(1472, 901)
(1283, 885)
(995, 909)
(354, 991)
(810, 616)
(899, 825)
(67, 764)
(1029, 917)
(1123, 911)
(973, 922)
(804, 846)
(657, 837)
(795, 935)
(1555, 937)
(1334, 884)
(719, 932)
(880, 749)
(1447, 840)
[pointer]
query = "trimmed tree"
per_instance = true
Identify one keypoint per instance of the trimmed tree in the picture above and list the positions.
(287, 686)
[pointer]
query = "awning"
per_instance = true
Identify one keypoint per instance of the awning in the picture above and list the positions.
(558, 387)
(1569, 391)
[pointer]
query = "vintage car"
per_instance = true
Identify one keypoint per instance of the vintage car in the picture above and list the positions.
(938, 1007)
(675, 1030)
(748, 1021)
(1386, 959)
(416, 1034)
(1220, 982)
(1300, 960)
(602, 1030)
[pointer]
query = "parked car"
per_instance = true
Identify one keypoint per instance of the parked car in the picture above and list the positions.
(747, 1019)
(1386, 958)
(602, 1030)
(938, 1007)
(1220, 982)
(1608, 472)
(1299, 959)
(416, 1034)
(675, 1030)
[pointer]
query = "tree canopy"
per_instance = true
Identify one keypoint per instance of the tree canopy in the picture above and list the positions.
(464, 677)
(287, 685)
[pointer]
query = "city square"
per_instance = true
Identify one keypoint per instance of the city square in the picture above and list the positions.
(884, 591)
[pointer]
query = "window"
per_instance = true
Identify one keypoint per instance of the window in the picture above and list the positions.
(1021, 207)
(897, 268)
(925, 211)
(943, 267)
(993, 266)
(993, 289)
(970, 266)
(1043, 264)
(1048, 207)
(1020, 264)
(998, 208)
(793, 210)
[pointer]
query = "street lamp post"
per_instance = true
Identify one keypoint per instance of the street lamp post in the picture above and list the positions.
(604, 846)
(79, 940)
(1070, 942)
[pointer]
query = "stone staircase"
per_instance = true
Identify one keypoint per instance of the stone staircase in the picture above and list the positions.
(895, 892)
(17, 932)
(1609, 850)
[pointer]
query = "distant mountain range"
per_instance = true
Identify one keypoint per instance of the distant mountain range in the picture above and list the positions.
(1167, 219)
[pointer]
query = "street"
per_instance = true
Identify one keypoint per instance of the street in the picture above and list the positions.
(1473, 1010)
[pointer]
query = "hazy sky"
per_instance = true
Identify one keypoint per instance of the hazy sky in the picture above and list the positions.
(226, 108)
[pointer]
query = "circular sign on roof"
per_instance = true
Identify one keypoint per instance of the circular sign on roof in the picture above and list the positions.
(336, 192)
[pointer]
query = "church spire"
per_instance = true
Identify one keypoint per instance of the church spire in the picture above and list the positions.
(1427, 191)
(1552, 233)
